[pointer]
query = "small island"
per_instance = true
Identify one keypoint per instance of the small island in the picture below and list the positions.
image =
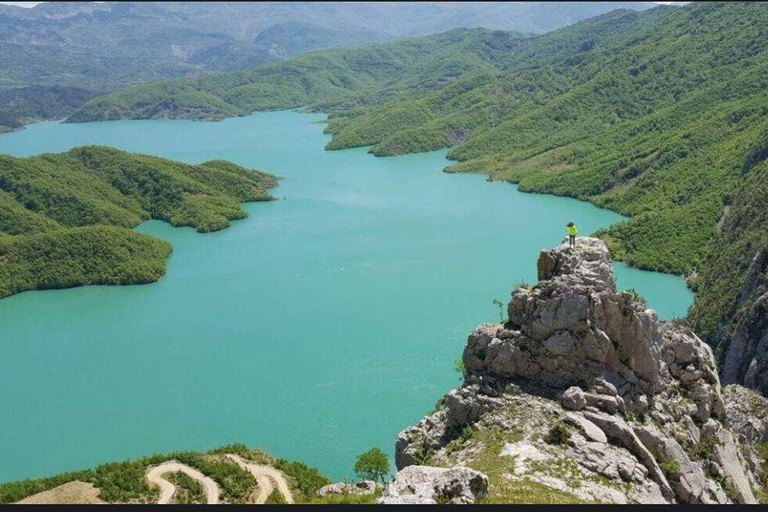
(66, 218)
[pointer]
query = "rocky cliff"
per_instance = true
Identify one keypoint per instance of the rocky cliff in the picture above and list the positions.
(583, 395)
(731, 308)
(744, 352)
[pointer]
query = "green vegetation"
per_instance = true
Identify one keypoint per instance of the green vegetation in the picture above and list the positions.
(659, 115)
(670, 468)
(25, 105)
(728, 284)
(188, 491)
(557, 434)
(14, 491)
(372, 465)
(104, 44)
(653, 122)
(481, 450)
(65, 218)
(306, 480)
(125, 482)
(459, 368)
(323, 80)
(499, 304)
(275, 498)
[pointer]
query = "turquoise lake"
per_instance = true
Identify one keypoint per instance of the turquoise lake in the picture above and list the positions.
(318, 327)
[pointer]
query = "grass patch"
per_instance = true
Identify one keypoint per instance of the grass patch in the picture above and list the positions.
(188, 491)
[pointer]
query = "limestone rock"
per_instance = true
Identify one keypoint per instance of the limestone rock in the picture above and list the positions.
(430, 485)
(590, 430)
(747, 413)
(573, 399)
(728, 456)
(360, 488)
(640, 398)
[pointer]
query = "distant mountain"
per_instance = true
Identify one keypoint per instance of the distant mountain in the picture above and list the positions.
(102, 45)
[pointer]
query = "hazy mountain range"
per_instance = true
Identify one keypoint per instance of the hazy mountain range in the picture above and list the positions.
(101, 45)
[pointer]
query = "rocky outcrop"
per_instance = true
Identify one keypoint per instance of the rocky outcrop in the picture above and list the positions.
(747, 412)
(363, 488)
(584, 391)
(425, 485)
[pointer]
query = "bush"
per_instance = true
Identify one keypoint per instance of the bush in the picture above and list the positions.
(670, 468)
(306, 478)
(558, 434)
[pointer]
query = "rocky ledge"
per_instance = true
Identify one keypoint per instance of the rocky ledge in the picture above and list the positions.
(583, 395)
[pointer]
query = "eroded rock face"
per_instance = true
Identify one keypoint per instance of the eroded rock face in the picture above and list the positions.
(744, 341)
(747, 413)
(640, 399)
(431, 485)
(573, 329)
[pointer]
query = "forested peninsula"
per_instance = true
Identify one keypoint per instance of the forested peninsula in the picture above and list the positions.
(65, 218)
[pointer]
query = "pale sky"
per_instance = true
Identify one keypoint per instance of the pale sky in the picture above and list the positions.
(22, 4)
(32, 4)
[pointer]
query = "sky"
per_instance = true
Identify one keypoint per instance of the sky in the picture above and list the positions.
(32, 4)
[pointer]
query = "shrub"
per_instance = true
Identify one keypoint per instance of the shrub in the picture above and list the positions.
(558, 434)
(670, 468)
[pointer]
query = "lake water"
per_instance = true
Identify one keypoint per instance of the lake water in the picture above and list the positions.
(318, 327)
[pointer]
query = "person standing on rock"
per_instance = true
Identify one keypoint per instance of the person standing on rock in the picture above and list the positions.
(572, 232)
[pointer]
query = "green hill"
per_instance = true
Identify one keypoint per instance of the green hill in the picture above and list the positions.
(29, 104)
(65, 218)
(322, 78)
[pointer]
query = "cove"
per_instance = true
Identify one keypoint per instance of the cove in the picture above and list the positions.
(318, 327)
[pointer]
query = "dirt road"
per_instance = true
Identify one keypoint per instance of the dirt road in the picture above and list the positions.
(266, 477)
(155, 476)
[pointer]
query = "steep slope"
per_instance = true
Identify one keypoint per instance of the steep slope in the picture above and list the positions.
(582, 395)
(732, 307)
(64, 217)
(29, 104)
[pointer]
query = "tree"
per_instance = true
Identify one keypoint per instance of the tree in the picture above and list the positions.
(372, 465)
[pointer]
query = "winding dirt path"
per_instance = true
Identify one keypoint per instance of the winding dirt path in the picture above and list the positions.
(167, 489)
(266, 478)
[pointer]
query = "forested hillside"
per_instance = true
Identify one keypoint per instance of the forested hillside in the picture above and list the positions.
(65, 218)
(659, 115)
(29, 104)
(403, 69)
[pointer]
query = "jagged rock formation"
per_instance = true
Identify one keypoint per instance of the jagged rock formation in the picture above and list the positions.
(426, 485)
(747, 414)
(585, 396)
